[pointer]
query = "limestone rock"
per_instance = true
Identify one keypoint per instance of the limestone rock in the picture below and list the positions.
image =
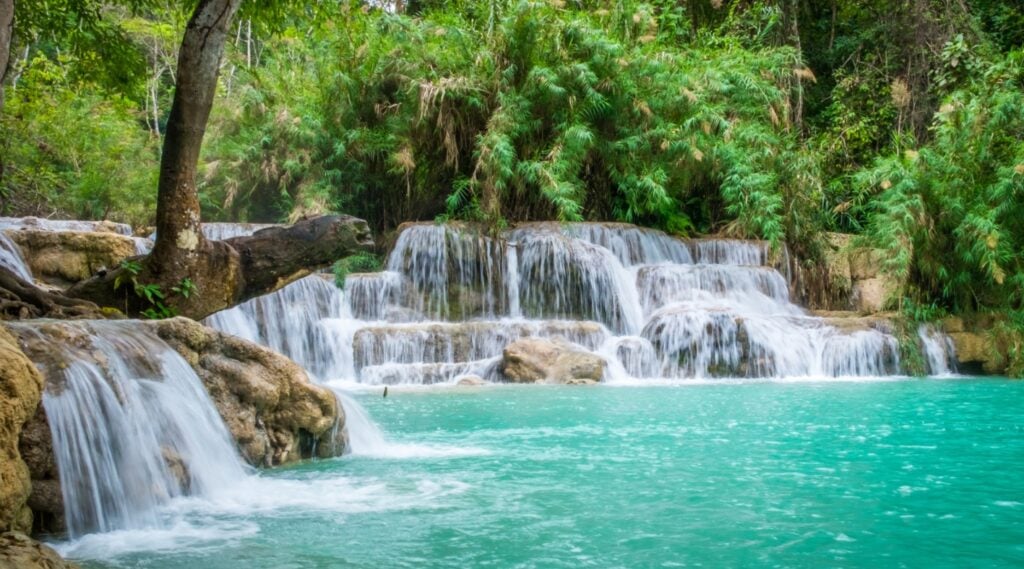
(266, 400)
(871, 295)
(18, 551)
(62, 258)
(46, 500)
(975, 349)
(534, 360)
(471, 380)
(20, 393)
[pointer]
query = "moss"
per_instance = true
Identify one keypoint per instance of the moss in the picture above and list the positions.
(912, 358)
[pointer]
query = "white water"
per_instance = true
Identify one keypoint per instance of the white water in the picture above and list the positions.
(120, 409)
(367, 439)
(124, 408)
(939, 351)
(654, 306)
(44, 224)
(11, 259)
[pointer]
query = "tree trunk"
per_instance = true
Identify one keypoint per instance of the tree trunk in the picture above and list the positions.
(6, 33)
(180, 244)
(791, 14)
(186, 274)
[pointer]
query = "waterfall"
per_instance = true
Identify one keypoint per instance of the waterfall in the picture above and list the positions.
(453, 297)
(292, 321)
(11, 259)
(131, 423)
(939, 352)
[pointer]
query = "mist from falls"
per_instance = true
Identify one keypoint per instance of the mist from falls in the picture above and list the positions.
(655, 307)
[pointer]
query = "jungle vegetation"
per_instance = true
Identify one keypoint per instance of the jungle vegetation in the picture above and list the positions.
(901, 121)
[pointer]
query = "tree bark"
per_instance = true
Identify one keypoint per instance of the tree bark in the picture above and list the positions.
(180, 244)
(6, 34)
(233, 271)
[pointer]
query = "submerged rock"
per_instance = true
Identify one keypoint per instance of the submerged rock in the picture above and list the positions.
(63, 258)
(471, 380)
(536, 360)
(18, 551)
(266, 400)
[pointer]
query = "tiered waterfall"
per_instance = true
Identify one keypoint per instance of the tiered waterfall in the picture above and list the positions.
(452, 298)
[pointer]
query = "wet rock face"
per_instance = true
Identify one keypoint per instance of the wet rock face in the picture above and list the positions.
(270, 407)
(46, 499)
(18, 551)
(850, 278)
(63, 258)
(20, 393)
(536, 360)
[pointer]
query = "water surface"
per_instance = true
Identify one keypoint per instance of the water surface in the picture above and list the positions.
(910, 473)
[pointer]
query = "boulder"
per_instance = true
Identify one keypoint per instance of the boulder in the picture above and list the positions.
(63, 258)
(18, 551)
(471, 380)
(21, 387)
(537, 360)
(266, 400)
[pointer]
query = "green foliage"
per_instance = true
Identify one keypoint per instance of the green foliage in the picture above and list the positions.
(1007, 335)
(509, 112)
(71, 148)
(359, 263)
(950, 215)
(159, 306)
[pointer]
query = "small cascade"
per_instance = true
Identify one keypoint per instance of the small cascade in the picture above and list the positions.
(11, 259)
(371, 295)
(630, 244)
(563, 277)
(132, 425)
(452, 274)
(729, 252)
(221, 231)
(939, 351)
(43, 224)
(293, 321)
(453, 297)
(364, 436)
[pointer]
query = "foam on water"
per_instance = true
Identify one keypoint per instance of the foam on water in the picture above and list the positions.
(366, 438)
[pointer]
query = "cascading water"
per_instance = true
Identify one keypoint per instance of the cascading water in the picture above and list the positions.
(43, 224)
(453, 297)
(11, 259)
(132, 425)
(939, 351)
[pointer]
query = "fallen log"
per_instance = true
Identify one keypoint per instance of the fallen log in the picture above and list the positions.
(222, 274)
